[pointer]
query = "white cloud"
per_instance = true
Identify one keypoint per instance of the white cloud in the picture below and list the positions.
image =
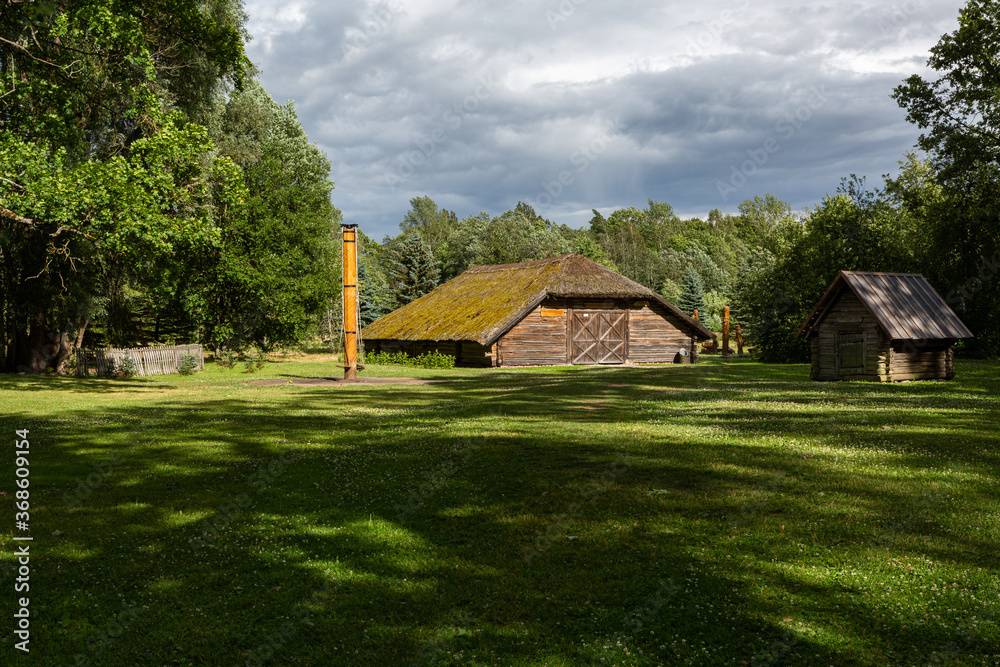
(481, 104)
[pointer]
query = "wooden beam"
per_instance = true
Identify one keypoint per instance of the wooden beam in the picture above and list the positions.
(350, 301)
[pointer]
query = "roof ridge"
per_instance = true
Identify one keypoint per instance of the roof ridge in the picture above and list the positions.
(880, 273)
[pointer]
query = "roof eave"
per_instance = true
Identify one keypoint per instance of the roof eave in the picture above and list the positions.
(497, 332)
(696, 326)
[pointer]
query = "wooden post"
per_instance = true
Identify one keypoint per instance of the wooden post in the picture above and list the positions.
(350, 301)
(739, 341)
(725, 332)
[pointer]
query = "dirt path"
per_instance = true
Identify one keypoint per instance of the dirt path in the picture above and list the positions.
(337, 382)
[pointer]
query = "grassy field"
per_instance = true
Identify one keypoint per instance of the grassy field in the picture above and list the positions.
(729, 513)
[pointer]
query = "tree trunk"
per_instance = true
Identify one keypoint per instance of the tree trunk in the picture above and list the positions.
(80, 331)
(45, 348)
(63, 347)
(4, 338)
(329, 329)
(15, 350)
(35, 352)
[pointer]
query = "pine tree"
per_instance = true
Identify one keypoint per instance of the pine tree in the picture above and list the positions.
(375, 298)
(413, 269)
(693, 295)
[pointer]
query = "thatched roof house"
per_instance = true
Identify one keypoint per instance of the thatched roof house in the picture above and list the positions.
(563, 310)
(882, 326)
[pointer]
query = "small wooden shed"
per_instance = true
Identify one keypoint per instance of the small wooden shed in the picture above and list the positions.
(563, 310)
(884, 327)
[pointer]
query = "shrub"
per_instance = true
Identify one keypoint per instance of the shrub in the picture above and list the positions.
(433, 359)
(226, 358)
(253, 360)
(124, 369)
(388, 359)
(188, 365)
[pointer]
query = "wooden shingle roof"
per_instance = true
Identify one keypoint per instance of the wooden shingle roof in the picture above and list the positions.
(484, 302)
(904, 304)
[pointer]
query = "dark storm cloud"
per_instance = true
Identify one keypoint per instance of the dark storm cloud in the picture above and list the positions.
(573, 105)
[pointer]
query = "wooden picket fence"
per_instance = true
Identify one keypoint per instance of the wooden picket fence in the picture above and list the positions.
(162, 360)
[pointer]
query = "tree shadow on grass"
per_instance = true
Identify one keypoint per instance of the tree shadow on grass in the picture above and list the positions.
(466, 523)
(50, 383)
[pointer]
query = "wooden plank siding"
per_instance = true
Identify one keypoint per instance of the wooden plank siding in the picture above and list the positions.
(847, 315)
(654, 339)
(913, 362)
(539, 339)
(598, 336)
(542, 338)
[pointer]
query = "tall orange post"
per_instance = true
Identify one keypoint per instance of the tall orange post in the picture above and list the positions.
(350, 301)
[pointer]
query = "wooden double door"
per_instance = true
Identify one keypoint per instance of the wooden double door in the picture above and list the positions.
(598, 336)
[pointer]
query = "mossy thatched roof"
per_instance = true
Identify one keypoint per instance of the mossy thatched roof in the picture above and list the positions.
(485, 302)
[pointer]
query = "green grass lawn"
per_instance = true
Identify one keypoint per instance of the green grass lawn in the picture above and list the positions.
(725, 513)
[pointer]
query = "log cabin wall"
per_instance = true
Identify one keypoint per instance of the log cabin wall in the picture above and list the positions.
(653, 338)
(539, 339)
(911, 361)
(542, 338)
(847, 315)
(883, 361)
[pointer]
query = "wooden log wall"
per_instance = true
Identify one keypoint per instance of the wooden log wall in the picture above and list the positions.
(655, 339)
(848, 314)
(540, 339)
(912, 361)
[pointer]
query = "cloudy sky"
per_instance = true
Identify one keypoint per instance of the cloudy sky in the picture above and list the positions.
(573, 105)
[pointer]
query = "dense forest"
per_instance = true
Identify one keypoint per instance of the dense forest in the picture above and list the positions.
(151, 191)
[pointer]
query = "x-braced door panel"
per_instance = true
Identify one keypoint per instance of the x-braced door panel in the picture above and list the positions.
(598, 337)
